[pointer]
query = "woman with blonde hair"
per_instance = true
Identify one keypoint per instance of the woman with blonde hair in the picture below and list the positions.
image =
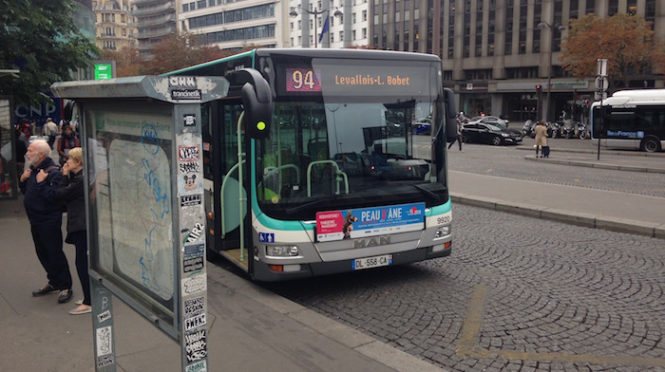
(70, 193)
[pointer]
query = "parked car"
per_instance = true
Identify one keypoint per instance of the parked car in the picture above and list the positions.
(496, 121)
(487, 133)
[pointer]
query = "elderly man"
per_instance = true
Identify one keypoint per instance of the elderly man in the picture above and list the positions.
(39, 184)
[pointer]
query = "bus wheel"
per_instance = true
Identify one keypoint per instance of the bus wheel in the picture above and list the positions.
(651, 145)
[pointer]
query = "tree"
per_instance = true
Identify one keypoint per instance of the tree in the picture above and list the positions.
(127, 61)
(41, 40)
(626, 41)
(183, 49)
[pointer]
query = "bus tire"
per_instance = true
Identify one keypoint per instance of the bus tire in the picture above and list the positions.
(651, 144)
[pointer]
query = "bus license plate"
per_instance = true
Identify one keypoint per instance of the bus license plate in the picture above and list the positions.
(370, 262)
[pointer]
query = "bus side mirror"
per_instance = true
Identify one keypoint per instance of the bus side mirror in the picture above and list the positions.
(451, 120)
(257, 101)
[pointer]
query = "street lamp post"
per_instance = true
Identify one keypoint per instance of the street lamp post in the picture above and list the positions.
(293, 13)
(551, 27)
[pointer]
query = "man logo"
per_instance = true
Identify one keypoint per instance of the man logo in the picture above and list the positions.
(371, 242)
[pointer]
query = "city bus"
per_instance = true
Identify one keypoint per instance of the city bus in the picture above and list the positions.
(313, 165)
(633, 119)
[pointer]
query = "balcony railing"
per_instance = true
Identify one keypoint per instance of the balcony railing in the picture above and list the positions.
(143, 2)
(142, 12)
(156, 33)
(156, 21)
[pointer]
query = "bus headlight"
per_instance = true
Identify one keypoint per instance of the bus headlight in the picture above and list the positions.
(441, 232)
(282, 250)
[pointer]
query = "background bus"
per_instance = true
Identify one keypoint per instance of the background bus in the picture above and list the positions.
(634, 119)
(336, 179)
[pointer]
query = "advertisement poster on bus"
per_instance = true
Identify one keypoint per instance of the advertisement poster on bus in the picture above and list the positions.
(362, 222)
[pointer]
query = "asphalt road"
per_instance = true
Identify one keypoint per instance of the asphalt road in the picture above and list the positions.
(507, 161)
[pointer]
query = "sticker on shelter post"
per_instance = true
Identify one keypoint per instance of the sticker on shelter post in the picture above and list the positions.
(194, 285)
(104, 341)
(199, 366)
(196, 345)
(193, 306)
(189, 120)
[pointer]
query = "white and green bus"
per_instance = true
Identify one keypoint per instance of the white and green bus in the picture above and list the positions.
(634, 119)
(313, 164)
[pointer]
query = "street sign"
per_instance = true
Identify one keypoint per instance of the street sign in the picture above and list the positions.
(602, 83)
(601, 67)
(600, 95)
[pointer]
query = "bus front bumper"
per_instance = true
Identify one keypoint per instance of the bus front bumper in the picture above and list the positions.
(263, 272)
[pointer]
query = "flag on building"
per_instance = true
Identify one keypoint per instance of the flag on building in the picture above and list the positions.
(324, 30)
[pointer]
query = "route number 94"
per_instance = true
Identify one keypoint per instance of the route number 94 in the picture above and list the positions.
(443, 219)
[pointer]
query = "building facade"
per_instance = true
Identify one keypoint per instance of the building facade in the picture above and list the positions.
(235, 24)
(494, 54)
(306, 27)
(155, 20)
(114, 24)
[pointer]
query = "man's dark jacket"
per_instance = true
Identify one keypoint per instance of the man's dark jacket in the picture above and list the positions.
(40, 200)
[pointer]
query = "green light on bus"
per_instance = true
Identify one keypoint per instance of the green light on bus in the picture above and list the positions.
(261, 125)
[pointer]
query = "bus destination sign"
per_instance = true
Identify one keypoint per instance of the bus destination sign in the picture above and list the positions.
(309, 80)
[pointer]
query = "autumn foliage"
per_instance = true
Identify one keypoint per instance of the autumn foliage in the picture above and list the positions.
(626, 41)
(175, 52)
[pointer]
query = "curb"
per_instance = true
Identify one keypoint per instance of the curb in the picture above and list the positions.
(607, 152)
(560, 215)
(366, 345)
(577, 163)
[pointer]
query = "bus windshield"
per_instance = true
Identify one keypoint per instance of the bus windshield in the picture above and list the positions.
(338, 147)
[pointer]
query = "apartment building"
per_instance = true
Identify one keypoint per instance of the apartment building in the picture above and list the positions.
(235, 24)
(494, 53)
(155, 20)
(306, 27)
(114, 24)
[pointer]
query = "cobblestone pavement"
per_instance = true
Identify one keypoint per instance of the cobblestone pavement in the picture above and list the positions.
(517, 294)
(509, 162)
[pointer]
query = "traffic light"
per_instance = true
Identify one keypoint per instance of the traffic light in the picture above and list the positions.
(539, 88)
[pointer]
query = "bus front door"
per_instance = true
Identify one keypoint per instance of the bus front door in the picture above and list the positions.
(232, 224)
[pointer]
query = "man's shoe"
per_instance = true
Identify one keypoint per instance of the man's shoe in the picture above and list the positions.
(65, 296)
(43, 290)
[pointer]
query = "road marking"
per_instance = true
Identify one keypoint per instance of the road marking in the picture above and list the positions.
(471, 326)
(470, 333)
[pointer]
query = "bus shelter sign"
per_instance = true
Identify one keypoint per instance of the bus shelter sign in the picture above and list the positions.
(366, 222)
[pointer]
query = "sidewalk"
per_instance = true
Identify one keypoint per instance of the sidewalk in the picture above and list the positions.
(250, 328)
(610, 210)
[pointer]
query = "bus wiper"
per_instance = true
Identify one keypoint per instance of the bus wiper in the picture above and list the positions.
(293, 210)
(427, 192)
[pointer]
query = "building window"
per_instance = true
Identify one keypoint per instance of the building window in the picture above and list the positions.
(574, 9)
(613, 7)
(364, 16)
(522, 72)
(481, 74)
(364, 33)
(353, 35)
(537, 19)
